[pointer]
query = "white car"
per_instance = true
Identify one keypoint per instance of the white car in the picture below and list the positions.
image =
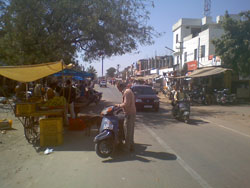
(103, 83)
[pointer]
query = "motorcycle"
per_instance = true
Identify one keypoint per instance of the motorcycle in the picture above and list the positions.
(93, 96)
(181, 110)
(111, 132)
(224, 97)
(198, 96)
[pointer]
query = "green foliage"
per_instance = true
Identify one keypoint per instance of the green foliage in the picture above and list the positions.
(111, 72)
(92, 70)
(78, 67)
(234, 45)
(33, 31)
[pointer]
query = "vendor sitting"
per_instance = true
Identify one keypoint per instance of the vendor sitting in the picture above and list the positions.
(51, 91)
(20, 91)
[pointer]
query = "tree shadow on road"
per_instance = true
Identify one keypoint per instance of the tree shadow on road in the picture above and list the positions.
(140, 154)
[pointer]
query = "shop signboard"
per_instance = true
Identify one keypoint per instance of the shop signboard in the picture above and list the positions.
(192, 65)
(210, 57)
(154, 71)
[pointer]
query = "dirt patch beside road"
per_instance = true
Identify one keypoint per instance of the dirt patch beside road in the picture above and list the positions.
(239, 113)
(14, 148)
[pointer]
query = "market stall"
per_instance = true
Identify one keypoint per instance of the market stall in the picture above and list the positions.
(36, 115)
(78, 76)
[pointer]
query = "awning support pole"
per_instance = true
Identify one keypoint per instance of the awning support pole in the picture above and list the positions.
(26, 91)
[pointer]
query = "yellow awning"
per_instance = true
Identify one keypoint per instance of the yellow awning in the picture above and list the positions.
(30, 73)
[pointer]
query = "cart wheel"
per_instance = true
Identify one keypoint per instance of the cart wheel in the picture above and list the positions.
(30, 130)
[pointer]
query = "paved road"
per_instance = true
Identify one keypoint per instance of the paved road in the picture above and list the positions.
(212, 151)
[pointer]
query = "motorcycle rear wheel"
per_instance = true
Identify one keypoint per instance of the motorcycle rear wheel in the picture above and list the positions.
(104, 148)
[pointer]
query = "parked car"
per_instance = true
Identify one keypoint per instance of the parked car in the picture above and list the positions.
(145, 97)
(103, 83)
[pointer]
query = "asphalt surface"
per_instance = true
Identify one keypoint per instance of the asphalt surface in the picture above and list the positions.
(211, 151)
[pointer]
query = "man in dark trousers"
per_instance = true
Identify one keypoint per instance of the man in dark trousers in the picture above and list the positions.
(70, 95)
(129, 108)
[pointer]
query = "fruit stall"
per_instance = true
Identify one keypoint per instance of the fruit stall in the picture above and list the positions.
(41, 120)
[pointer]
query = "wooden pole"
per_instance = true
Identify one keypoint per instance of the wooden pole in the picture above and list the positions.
(26, 91)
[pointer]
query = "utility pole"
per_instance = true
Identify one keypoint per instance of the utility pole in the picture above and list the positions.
(117, 69)
(181, 51)
(102, 65)
(198, 53)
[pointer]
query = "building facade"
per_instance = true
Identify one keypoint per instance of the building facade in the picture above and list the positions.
(192, 42)
(153, 65)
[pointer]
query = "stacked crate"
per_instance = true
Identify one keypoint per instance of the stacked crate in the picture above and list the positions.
(51, 131)
(25, 108)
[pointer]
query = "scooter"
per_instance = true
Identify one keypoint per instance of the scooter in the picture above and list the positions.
(182, 110)
(111, 132)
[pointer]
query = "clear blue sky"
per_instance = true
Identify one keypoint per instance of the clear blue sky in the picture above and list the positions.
(163, 16)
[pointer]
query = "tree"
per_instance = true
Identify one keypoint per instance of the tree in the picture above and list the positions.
(34, 31)
(92, 70)
(111, 72)
(234, 45)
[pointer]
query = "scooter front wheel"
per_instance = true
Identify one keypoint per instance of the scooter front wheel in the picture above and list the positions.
(104, 148)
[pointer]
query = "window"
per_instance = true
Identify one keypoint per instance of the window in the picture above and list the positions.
(185, 57)
(176, 38)
(195, 54)
(195, 31)
(203, 51)
(164, 63)
(143, 90)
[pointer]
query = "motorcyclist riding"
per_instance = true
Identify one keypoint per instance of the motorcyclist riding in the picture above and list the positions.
(179, 95)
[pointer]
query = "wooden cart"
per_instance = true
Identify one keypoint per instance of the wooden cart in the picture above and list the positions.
(29, 118)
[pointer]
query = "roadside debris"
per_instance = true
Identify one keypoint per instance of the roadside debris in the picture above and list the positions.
(48, 151)
(5, 124)
(3, 132)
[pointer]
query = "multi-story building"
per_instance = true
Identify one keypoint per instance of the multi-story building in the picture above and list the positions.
(153, 65)
(141, 67)
(192, 42)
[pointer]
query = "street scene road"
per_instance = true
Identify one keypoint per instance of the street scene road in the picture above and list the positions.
(211, 151)
(124, 93)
